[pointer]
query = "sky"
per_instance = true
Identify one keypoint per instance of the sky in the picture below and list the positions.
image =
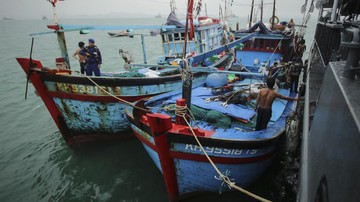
(36, 9)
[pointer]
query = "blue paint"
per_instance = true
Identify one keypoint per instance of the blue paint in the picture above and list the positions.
(137, 90)
(247, 58)
(200, 176)
(103, 118)
(93, 117)
(194, 175)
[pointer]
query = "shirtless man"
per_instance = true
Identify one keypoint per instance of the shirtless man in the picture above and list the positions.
(80, 58)
(264, 102)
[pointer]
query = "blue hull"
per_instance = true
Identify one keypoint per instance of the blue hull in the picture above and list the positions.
(242, 155)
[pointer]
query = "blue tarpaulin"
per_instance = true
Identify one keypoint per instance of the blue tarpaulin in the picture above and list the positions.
(201, 93)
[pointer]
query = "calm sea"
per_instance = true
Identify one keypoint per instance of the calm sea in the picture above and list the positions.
(35, 162)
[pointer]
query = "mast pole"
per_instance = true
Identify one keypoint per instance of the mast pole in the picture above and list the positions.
(262, 10)
(187, 84)
(251, 13)
(273, 16)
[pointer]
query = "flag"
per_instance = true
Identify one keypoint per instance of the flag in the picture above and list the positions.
(53, 2)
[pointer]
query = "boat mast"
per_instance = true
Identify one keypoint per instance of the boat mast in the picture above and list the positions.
(187, 82)
(173, 6)
(273, 16)
(206, 13)
(60, 36)
(251, 13)
(262, 10)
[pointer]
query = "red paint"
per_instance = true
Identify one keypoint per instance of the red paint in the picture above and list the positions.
(43, 93)
(54, 27)
(94, 98)
(179, 119)
(159, 125)
(145, 141)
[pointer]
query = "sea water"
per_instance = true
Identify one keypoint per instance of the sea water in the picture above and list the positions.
(35, 162)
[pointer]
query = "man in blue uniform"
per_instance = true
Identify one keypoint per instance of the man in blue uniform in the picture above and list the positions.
(93, 58)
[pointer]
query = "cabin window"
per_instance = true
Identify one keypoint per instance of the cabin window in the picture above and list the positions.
(182, 36)
(216, 41)
(170, 37)
(164, 38)
(212, 31)
(267, 44)
(177, 36)
(256, 44)
(203, 46)
(203, 34)
(211, 42)
(249, 44)
(261, 43)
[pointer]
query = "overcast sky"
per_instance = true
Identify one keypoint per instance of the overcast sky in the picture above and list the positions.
(36, 9)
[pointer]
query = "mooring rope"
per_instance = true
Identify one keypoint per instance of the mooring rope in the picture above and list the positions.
(182, 112)
(119, 99)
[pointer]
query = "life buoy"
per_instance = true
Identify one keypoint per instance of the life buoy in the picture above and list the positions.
(276, 19)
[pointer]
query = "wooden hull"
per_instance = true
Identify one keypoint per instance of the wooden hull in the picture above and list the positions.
(83, 111)
(243, 156)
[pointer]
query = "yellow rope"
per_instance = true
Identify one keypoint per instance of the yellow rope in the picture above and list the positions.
(182, 112)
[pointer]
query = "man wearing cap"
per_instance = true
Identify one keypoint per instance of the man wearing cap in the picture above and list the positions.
(93, 58)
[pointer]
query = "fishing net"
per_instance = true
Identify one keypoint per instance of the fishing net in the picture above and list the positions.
(131, 73)
(213, 117)
(218, 119)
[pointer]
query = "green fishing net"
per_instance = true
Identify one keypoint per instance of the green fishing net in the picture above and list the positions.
(211, 116)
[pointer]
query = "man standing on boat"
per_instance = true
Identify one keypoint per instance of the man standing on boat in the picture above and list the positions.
(80, 58)
(294, 74)
(93, 58)
(264, 103)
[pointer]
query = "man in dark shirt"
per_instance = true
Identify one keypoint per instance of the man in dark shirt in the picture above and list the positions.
(93, 58)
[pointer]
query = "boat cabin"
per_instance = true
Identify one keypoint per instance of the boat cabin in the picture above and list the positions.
(208, 34)
(265, 48)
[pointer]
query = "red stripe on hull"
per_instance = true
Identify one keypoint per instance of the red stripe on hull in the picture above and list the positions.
(43, 93)
(145, 141)
(94, 98)
(202, 158)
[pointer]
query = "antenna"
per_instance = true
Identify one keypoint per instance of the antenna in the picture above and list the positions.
(29, 70)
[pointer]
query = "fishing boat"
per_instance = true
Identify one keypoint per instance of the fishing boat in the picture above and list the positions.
(87, 108)
(223, 132)
(331, 133)
(123, 33)
(206, 141)
(268, 47)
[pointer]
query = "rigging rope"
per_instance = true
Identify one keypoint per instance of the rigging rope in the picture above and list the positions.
(119, 99)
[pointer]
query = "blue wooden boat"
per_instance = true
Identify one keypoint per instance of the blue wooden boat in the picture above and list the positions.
(92, 108)
(263, 50)
(238, 152)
